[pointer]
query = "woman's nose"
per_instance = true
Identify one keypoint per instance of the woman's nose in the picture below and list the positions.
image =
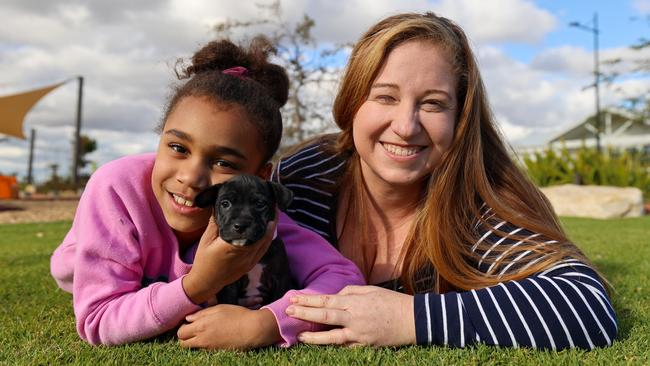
(194, 174)
(406, 121)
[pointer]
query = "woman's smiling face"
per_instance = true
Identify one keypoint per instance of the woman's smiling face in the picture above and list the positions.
(203, 143)
(407, 122)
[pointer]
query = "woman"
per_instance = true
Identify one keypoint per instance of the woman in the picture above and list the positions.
(419, 191)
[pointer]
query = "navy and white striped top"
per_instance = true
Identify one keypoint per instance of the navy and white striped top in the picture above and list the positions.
(565, 306)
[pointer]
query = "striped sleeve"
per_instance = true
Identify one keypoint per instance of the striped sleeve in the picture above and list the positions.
(311, 175)
(565, 306)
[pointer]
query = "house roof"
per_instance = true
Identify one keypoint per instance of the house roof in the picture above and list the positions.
(612, 123)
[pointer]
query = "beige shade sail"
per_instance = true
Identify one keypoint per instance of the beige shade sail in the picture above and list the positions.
(13, 109)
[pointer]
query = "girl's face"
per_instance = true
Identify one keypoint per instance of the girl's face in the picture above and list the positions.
(203, 143)
(407, 123)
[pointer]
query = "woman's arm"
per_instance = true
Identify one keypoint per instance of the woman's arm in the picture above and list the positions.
(563, 307)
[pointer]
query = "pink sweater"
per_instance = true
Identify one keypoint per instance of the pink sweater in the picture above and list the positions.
(127, 269)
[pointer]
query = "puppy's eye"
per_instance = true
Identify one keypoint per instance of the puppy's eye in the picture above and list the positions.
(260, 204)
(225, 204)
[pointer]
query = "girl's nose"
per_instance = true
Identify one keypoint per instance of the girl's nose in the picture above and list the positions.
(406, 120)
(193, 173)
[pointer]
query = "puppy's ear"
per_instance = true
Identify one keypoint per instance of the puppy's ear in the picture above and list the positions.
(283, 195)
(207, 197)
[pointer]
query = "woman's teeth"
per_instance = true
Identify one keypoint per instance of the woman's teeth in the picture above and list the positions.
(182, 201)
(402, 151)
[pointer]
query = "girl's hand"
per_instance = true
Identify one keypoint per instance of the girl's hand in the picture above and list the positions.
(229, 327)
(218, 263)
(366, 315)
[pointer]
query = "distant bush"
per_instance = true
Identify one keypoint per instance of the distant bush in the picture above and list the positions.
(589, 167)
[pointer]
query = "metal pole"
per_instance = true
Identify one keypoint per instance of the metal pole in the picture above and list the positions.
(77, 136)
(32, 138)
(597, 83)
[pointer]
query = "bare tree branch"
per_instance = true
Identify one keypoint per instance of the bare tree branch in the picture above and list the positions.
(311, 68)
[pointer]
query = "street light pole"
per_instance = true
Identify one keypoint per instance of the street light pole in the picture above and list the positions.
(595, 32)
(76, 153)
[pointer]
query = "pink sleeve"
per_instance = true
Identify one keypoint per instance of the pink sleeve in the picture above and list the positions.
(317, 267)
(110, 305)
(62, 263)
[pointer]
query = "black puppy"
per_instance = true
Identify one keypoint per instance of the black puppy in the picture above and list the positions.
(243, 206)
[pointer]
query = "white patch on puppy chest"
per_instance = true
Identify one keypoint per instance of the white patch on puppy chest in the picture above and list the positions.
(254, 280)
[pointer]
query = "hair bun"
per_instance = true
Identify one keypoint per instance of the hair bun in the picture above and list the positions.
(221, 55)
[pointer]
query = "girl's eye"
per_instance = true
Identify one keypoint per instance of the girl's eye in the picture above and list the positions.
(178, 148)
(225, 204)
(224, 164)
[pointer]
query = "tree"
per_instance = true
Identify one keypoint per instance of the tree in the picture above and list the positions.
(638, 105)
(88, 145)
(308, 64)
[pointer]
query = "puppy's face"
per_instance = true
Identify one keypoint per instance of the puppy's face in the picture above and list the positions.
(243, 206)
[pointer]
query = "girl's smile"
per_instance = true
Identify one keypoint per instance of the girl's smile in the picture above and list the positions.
(182, 205)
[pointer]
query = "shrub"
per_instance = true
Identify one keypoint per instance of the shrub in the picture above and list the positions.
(589, 167)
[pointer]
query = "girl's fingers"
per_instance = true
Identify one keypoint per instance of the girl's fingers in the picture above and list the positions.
(257, 251)
(185, 332)
(319, 315)
(211, 232)
(201, 313)
(334, 336)
(184, 343)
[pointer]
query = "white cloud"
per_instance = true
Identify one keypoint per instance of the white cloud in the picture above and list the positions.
(499, 20)
(126, 51)
(345, 21)
(530, 105)
(565, 59)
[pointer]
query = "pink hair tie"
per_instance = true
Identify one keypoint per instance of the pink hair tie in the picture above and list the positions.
(238, 71)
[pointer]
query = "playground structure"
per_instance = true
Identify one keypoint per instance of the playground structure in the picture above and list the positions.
(13, 109)
(8, 187)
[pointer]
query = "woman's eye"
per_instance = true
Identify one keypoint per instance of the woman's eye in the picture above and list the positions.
(433, 106)
(385, 99)
(225, 204)
(178, 148)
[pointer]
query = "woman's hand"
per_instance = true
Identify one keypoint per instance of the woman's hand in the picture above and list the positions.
(229, 327)
(218, 263)
(366, 315)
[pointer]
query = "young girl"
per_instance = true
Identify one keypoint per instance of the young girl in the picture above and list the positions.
(140, 256)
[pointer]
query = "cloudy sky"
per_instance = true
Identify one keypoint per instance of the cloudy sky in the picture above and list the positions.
(535, 66)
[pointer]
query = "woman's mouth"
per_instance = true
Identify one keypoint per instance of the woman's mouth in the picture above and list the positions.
(402, 151)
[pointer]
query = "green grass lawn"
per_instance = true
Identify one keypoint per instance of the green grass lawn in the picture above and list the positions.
(37, 322)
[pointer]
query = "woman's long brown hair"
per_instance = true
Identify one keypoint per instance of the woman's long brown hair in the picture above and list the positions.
(476, 171)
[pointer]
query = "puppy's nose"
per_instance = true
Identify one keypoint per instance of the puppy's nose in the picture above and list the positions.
(239, 227)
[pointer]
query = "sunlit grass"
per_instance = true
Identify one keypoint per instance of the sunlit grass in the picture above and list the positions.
(37, 322)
